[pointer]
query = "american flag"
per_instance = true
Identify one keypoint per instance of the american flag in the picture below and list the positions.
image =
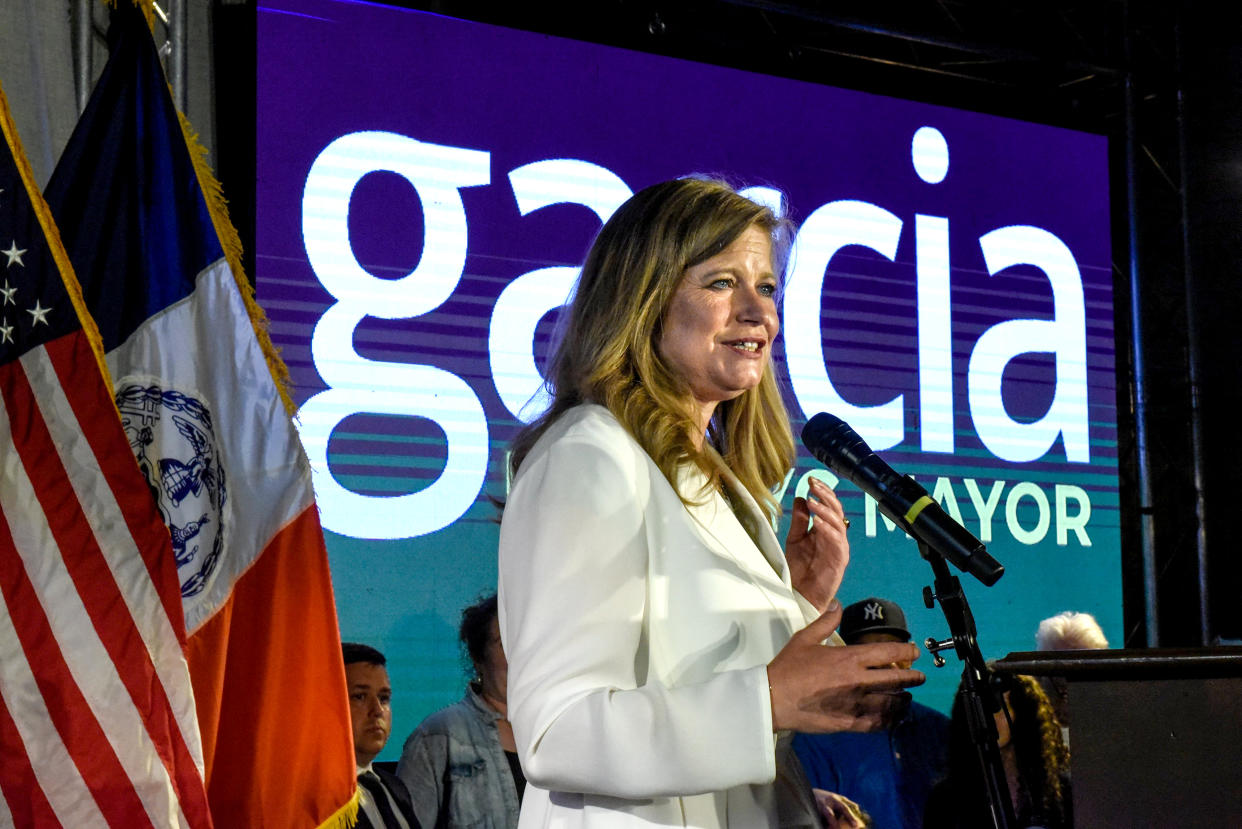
(97, 720)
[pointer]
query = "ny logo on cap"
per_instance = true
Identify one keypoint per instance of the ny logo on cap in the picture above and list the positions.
(875, 610)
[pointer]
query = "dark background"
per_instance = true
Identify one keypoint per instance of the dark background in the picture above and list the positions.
(1163, 81)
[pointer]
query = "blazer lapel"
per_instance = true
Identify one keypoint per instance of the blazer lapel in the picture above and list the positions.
(754, 520)
(728, 530)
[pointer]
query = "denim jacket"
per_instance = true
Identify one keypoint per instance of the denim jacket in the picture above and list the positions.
(457, 772)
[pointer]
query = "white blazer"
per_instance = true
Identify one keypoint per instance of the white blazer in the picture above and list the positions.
(638, 632)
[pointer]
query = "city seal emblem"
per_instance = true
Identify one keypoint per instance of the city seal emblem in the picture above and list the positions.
(171, 434)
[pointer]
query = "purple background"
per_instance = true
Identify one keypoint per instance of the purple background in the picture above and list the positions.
(330, 68)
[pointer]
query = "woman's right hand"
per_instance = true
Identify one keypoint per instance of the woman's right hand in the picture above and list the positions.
(818, 688)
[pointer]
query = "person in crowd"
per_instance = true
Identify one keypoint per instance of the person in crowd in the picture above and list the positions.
(1066, 631)
(1070, 630)
(887, 773)
(460, 764)
(662, 647)
(1035, 759)
(383, 801)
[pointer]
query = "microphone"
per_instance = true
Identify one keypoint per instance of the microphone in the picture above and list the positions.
(837, 446)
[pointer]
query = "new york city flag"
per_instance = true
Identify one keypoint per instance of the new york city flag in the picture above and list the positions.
(159, 264)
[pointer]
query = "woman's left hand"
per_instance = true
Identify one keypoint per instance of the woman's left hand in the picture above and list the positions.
(817, 552)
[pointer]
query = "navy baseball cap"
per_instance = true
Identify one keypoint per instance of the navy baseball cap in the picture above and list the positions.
(873, 616)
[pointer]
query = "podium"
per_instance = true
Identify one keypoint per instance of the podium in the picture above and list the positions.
(1155, 735)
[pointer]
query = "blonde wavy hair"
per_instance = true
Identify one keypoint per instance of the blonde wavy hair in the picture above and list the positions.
(607, 351)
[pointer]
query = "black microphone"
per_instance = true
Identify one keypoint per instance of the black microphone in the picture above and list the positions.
(837, 446)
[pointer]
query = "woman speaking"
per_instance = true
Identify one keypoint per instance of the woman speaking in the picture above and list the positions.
(661, 644)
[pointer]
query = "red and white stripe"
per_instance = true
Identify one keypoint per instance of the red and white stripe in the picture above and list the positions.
(93, 679)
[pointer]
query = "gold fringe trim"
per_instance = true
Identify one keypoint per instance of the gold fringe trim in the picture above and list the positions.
(217, 207)
(345, 817)
(52, 234)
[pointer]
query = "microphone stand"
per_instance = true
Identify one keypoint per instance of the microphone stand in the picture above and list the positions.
(979, 697)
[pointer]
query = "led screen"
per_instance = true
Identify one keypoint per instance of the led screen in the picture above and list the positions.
(427, 188)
